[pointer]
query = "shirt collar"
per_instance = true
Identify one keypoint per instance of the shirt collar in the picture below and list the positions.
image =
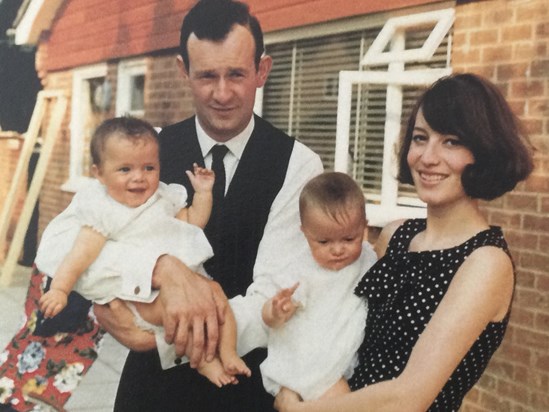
(235, 145)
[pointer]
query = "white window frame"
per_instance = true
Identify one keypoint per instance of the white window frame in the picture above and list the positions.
(80, 76)
(126, 70)
(390, 207)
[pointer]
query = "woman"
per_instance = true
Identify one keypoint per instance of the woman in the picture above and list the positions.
(439, 297)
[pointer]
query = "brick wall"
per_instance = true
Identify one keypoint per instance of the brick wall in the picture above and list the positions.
(10, 150)
(508, 42)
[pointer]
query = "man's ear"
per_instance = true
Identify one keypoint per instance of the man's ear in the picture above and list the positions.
(181, 66)
(265, 66)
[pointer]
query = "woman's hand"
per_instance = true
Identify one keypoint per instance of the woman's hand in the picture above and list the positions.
(287, 400)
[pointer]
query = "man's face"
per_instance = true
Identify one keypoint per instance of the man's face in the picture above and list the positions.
(223, 80)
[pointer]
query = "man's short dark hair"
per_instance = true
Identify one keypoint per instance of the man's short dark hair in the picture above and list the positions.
(214, 19)
(473, 109)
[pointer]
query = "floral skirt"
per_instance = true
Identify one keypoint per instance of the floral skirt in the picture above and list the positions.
(45, 369)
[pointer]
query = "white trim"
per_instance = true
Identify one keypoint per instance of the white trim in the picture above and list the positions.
(79, 76)
(38, 17)
(126, 70)
(396, 26)
(389, 206)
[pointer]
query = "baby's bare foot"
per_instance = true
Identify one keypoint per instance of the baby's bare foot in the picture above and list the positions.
(234, 365)
(216, 374)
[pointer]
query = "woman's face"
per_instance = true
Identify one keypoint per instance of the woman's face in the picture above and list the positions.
(437, 162)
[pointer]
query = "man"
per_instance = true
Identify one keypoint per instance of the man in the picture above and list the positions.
(251, 229)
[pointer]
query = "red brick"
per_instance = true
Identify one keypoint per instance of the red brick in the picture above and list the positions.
(540, 401)
(517, 33)
(542, 30)
(532, 339)
(518, 239)
(525, 279)
(517, 355)
(540, 68)
(523, 317)
(523, 202)
(542, 283)
(512, 71)
(497, 54)
(532, 11)
(528, 88)
(481, 37)
(493, 402)
(498, 17)
(512, 390)
(536, 223)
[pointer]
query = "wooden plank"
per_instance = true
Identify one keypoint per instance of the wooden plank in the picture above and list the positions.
(10, 135)
(20, 170)
(54, 126)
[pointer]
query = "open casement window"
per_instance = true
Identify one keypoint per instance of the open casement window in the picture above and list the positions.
(301, 97)
(91, 98)
(130, 95)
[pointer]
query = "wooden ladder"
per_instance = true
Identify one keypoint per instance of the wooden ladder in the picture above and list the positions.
(58, 103)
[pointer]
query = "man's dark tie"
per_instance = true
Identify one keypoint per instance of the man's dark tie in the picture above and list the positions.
(218, 193)
(218, 153)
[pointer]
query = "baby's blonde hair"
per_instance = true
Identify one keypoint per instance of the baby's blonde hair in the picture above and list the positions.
(335, 193)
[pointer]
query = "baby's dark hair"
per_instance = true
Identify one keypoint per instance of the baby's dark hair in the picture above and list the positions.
(128, 127)
(473, 109)
(214, 19)
(334, 193)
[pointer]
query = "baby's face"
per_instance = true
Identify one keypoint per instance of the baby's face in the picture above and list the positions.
(130, 170)
(334, 244)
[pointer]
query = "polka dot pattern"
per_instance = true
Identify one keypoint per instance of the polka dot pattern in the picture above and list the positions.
(403, 290)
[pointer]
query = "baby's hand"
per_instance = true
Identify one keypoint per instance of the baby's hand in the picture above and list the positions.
(284, 307)
(201, 178)
(52, 302)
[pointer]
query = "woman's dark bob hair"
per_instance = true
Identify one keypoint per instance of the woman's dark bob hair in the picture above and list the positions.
(474, 110)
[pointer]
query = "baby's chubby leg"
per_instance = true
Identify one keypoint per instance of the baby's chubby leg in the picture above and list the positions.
(339, 388)
(150, 312)
(232, 363)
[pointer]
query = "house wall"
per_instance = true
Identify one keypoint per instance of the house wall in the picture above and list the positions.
(508, 42)
(113, 29)
(505, 40)
(10, 150)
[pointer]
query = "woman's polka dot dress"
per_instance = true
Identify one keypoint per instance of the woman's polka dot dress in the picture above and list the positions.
(403, 290)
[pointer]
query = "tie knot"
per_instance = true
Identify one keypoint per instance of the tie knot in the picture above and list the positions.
(219, 151)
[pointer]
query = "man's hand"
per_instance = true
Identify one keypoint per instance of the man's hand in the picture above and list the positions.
(193, 306)
(118, 320)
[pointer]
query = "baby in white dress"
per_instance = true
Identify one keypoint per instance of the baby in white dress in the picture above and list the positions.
(125, 212)
(317, 325)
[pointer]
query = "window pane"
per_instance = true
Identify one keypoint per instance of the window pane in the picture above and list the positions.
(137, 90)
(95, 100)
(300, 97)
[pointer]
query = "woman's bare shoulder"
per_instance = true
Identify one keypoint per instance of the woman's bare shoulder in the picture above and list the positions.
(385, 236)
